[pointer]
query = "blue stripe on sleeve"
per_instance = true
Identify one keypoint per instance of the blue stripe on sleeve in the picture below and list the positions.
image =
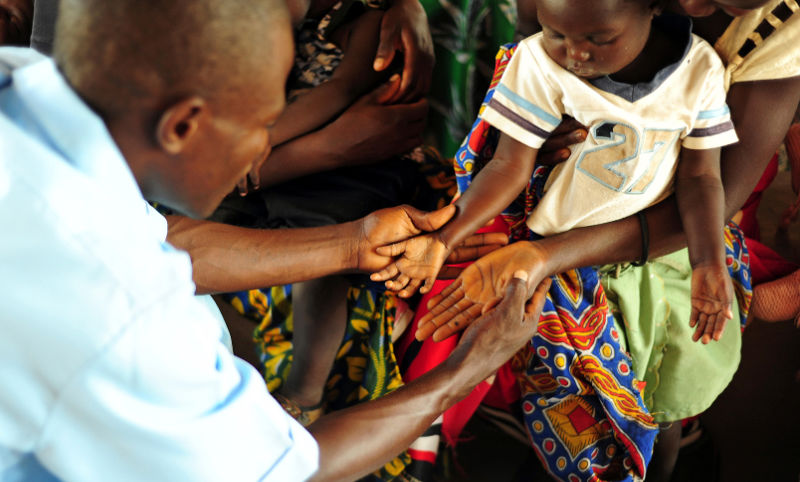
(710, 114)
(527, 105)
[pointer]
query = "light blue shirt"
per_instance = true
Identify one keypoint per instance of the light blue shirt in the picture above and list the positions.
(110, 368)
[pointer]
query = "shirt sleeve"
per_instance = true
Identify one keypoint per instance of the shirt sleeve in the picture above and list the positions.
(524, 105)
(712, 126)
(166, 401)
(767, 49)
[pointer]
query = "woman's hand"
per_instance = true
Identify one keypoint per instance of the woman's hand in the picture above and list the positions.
(479, 288)
(370, 131)
(405, 28)
(555, 150)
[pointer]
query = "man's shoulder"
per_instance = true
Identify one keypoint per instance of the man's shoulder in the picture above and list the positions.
(61, 227)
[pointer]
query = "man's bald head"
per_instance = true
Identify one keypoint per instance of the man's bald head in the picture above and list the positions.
(123, 53)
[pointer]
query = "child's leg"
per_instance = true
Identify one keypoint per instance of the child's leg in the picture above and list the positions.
(320, 317)
(665, 452)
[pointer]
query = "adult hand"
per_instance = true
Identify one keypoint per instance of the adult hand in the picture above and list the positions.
(371, 131)
(405, 28)
(473, 248)
(556, 148)
(16, 22)
(494, 337)
(391, 225)
(479, 288)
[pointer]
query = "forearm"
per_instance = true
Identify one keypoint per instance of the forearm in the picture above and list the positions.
(396, 420)
(309, 154)
(313, 110)
(701, 205)
(393, 422)
(614, 242)
(761, 112)
(228, 258)
(492, 190)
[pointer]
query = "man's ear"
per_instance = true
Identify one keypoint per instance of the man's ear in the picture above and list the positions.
(179, 123)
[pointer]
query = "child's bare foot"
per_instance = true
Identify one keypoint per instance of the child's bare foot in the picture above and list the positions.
(712, 295)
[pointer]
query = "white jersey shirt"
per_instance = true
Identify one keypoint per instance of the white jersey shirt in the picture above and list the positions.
(636, 131)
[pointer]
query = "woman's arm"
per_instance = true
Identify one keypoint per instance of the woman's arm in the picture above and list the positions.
(762, 112)
(368, 131)
(352, 78)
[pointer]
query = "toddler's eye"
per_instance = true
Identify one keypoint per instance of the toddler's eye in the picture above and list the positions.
(601, 40)
(553, 35)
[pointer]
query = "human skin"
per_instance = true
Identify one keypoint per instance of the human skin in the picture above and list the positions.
(16, 20)
(173, 146)
(761, 111)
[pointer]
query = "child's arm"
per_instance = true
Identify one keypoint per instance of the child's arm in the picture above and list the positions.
(494, 188)
(700, 197)
(352, 78)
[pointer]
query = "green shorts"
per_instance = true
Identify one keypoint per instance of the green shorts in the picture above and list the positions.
(652, 305)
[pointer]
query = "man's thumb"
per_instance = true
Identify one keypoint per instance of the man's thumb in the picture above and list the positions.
(431, 221)
(518, 286)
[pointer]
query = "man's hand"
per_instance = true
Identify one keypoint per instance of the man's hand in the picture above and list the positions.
(392, 225)
(494, 338)
(370, 131)
(479, 288)
(712, 295)
(405, 28)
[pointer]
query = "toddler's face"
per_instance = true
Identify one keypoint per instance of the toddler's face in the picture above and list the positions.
(593, 38)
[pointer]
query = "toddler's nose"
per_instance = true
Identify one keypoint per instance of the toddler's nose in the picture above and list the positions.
(577, 54)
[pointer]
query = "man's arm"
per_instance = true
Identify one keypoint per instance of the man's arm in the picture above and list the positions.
(228, 258)
(356, 441)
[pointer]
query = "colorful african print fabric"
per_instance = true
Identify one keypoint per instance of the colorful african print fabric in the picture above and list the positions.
(365, 367)
(582, 405)
(465, 34)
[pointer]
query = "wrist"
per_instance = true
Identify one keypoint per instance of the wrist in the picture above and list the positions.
(355, 243)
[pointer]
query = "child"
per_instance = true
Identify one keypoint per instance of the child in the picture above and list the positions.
(640, 92)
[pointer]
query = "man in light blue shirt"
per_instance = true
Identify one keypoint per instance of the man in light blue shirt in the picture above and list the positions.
(111, 368)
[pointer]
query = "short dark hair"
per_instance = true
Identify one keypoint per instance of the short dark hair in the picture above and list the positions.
(115, 52)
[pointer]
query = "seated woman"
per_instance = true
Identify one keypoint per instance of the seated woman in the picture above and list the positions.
(764, 75)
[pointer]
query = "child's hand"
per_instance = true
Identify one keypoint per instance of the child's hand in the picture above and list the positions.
(712, 295)
(423, 257)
